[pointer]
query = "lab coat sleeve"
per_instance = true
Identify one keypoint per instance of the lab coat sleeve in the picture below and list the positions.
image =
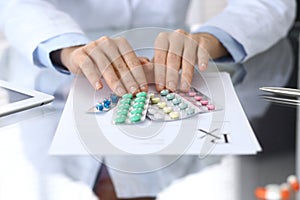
(256, 24)
(41, 55)
(27, 23)
(234, 48)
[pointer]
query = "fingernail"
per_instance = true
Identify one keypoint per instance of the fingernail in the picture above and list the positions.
(98, 85)
(185, 87)
(159, 87)
(144, 87)
(120, 91)
(202, 66)
(171, 86)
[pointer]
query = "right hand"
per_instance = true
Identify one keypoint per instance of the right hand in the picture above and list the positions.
(114, 59)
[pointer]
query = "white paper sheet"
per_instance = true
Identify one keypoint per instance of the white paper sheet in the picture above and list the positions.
(80, 133)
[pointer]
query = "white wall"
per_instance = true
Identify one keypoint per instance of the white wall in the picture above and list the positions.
(3, 43)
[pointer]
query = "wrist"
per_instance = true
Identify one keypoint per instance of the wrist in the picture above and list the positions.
(55, 57)
(211, 44)
(61, 57)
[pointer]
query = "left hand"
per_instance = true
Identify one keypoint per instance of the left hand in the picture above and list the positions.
(181, 50)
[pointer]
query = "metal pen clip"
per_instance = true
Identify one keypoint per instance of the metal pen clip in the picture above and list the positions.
(282, 91)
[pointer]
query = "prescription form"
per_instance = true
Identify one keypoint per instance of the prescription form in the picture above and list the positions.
(223, 132)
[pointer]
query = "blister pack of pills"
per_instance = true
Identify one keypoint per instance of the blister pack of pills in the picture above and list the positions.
(203, 102)
(131, 109)
(105, 105)
(169, 106)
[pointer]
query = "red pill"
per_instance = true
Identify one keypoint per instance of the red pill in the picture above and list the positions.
(204, 102)
(198, 98)
(294, 183)
(210, 107)
(192, 94)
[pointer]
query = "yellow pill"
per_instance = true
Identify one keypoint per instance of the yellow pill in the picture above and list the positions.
(167, 110)
(151, 95)
(162, 104)
(155, 100)
(174, 115)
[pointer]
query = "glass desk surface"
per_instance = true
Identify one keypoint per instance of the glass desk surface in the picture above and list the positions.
(28, 172)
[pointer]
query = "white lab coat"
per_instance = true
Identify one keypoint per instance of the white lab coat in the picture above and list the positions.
(256, 24)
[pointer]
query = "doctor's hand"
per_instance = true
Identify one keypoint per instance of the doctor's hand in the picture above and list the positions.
(181, 50)
(113, 59)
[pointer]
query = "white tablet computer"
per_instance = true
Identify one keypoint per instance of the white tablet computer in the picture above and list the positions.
(14, 98)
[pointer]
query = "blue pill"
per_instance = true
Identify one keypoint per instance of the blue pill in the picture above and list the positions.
(106, 103)
(183, 106)
(114, 98)
(164, 92)
(176, 101)
(170, 96)
(99, 106)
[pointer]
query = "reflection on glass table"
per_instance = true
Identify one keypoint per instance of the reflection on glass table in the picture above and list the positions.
(26, 137)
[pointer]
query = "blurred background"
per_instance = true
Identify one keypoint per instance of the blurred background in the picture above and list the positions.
(194, 17)
(259, 165)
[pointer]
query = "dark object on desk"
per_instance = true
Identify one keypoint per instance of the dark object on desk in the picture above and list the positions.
(273, 124)
(281, 94)
(291, 92)
(281, 100)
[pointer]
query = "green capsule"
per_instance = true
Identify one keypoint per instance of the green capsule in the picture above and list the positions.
(127, 96)
(135, 118)
(125, 101)
(123, 107)
(122, 112)
(136, 111)
(138, 105)
(141, 94)
(140, 99)
(120, 120)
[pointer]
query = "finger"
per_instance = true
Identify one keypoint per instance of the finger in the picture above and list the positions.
(149, 72)
(181, 31)
(132, 62)
(160, 59)
(83, 62)
(174, 60)
(105, 67)
(186, 75)
(188, 62)
(143, 60)
(203, 58)
(148, 68)
(111, 77)
(111, 51)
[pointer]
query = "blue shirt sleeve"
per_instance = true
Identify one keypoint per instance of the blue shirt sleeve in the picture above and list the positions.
(235, 49)
(41, 55)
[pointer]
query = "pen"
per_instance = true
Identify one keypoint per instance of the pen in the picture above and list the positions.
(282, 91)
